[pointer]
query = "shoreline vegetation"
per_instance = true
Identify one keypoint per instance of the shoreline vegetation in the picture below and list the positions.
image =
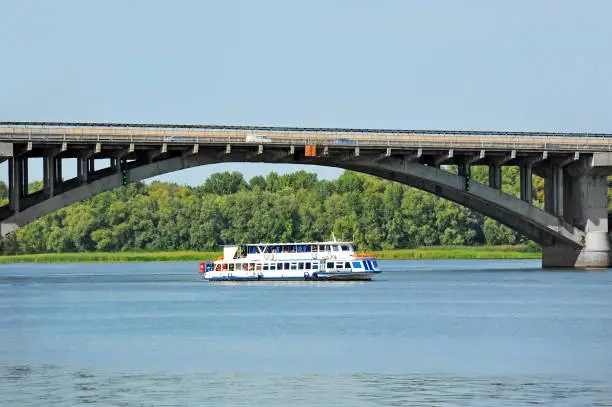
(420, 253)
(159, 217)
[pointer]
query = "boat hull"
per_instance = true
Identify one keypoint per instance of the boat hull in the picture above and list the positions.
(321, 276)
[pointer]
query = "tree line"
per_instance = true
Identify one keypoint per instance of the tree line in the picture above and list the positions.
(226, 208)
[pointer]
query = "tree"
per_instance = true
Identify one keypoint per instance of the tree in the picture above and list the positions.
(223, 183)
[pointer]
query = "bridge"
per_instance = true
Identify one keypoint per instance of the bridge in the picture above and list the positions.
(572, 227)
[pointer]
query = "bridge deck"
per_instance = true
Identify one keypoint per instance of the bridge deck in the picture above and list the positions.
(52, 133)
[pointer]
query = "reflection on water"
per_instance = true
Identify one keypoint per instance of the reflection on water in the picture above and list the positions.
(424, 333)
(31, 386)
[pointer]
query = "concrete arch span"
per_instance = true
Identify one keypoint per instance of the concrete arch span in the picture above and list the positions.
(544, 228)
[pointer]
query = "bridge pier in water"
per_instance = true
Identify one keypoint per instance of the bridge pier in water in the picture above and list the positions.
(579, 195)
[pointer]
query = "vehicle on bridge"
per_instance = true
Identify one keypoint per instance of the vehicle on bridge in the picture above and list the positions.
(344, 141)
(291, 261)
(253, 138)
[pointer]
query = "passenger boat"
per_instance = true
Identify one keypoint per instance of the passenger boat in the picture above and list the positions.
(291, 261)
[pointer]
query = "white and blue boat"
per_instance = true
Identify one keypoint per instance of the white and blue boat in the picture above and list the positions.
(291, 261)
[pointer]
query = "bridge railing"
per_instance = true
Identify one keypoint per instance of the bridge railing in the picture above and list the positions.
(278, 136)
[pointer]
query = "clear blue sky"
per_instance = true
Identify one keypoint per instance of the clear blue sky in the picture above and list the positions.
(516, 65)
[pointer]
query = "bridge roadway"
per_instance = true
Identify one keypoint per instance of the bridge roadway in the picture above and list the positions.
(572, 227)
(182, 134)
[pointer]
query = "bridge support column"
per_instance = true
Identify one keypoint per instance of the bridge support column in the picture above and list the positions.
(581, 201)
(495, 176)
(84, 168)
(50, 174)
(16, 173)
(526, 183)
(553, 192)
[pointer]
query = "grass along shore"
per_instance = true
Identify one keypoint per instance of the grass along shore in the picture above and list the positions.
(432, 252)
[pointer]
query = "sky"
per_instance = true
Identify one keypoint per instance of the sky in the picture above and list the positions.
(489, 65)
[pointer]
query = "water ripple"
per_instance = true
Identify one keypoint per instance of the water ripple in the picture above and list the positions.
(26, 385)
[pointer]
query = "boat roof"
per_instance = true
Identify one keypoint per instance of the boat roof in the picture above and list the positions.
(283, 244)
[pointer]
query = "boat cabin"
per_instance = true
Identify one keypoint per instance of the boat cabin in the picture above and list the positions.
(256, 250)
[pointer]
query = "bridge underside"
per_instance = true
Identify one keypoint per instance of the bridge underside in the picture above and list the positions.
(572, 228)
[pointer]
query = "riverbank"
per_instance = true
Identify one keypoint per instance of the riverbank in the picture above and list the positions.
(434, 252)
(460, 252)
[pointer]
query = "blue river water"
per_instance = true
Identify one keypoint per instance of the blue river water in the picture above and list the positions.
(423, 333)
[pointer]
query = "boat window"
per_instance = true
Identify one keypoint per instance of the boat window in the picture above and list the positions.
(224, 266)
(356, 264)
(218, 267)
(307, 266)
(344, 248)
(347, 265)
(231, 267)
(272, 266)
(339, 265)
(266, 267)
(245, 266)
(315, 266)
(301, 266)
(374, 264)
(299, 249)
(321, 247)
(286, 266)
(251, 266)
(335, 247)
(315, 248)
(330, 265)
(293, 266)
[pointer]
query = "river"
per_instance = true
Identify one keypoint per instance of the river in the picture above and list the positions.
(423, 333)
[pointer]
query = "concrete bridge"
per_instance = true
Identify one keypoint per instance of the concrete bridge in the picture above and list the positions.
(572, 228)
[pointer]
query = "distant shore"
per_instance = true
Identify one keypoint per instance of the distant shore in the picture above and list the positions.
(433, 252)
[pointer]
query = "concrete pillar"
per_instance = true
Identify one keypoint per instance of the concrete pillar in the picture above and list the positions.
(495, 176)
(461, 169)
(549, 195)
(83, 169)
(49, 175)
(526, 183)
(59, 177)
(554, 192)
(24, 176)
(558, 177)
(582, 201)
(15, 183)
